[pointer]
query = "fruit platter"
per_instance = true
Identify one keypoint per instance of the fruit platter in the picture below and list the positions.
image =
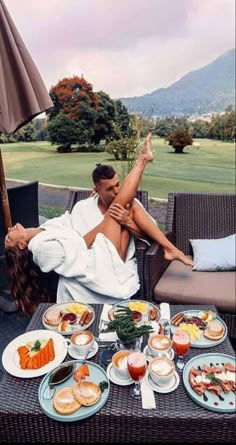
(66, 318)
(205, 328)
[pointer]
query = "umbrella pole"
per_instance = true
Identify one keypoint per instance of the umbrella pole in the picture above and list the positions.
(4, 196)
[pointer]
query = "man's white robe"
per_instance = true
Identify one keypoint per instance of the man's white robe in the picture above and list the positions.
(94, 275)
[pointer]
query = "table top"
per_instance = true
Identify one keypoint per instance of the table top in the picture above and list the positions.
(176, 417)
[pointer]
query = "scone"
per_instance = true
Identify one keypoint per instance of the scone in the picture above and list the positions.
(64, 401)
(87, 393)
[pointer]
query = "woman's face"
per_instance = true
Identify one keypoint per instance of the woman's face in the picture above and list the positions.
(16, 236)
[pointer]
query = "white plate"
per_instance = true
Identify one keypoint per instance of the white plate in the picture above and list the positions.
(149, 355)
(202, 342)
(174, 383)
(113, 377)
(11, 359)
(73, 327)
(73, 353)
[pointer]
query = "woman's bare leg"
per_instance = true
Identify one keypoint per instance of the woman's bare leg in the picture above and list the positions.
(147, 226)
(111, 228)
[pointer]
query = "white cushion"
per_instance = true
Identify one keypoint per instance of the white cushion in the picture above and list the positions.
(214, 254)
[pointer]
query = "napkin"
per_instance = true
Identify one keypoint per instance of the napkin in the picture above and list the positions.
(147, 394)
(165, 311)
(106, 336)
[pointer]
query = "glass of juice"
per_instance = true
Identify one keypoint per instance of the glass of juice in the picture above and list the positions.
(137, 367)
(181, 344)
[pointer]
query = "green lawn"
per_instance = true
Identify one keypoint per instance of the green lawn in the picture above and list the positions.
(211, 168)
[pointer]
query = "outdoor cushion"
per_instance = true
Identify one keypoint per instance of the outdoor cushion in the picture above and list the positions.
(214, 254)
(180, 285)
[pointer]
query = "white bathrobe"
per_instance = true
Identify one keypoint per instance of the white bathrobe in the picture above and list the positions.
(94, 275)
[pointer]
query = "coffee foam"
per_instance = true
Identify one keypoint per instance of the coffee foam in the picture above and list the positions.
(82, 339)
(161, 367)
(160, 343)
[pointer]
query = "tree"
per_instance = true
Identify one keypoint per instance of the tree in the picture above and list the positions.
(103, 127)
(179, 139)
(74, 100)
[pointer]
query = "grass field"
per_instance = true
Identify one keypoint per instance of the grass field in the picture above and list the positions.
(211, 168)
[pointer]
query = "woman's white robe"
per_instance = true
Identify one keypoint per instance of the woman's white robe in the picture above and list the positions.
(94, 275)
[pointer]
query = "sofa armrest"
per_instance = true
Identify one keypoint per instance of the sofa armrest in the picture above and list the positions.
(155, 265)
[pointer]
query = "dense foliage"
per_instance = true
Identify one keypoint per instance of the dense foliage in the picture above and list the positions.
(179, 139)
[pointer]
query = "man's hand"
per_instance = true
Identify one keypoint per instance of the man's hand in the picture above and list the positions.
(120, 213)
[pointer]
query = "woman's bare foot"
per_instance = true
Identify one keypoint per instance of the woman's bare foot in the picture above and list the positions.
(176, 254)
(146, 152)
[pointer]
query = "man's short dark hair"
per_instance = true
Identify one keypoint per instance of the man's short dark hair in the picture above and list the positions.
(103, 171)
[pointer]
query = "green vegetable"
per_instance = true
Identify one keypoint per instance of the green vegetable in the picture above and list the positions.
(213, 379)
(37, 346)
(125, 326)
(103, 385)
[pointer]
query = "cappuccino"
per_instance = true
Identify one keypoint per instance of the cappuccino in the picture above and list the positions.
(81, 341)
(119, 362)
(161, 370)
(159, 344)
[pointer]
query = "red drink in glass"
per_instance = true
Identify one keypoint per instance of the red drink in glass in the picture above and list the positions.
(181, 342)
(137, 365)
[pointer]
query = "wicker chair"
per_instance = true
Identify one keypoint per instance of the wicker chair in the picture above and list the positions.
(193, 216)
(141, 247)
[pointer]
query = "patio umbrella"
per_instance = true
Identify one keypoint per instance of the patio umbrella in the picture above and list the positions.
(23, 94)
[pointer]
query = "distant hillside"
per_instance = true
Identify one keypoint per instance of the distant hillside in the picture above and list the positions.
(209, 89)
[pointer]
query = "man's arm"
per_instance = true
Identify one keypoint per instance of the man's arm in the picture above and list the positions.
(124, 217)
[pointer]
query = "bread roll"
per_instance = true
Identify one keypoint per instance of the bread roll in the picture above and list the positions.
(87, 393)
(214, 331)
(64, 401)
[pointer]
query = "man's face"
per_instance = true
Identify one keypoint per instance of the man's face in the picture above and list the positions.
(108, 189)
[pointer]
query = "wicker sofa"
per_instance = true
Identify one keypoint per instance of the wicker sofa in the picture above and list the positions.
(194, 216)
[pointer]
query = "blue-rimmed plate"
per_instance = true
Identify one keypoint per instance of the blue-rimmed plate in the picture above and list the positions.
(97, 375)
(202, 342)
(226, 402)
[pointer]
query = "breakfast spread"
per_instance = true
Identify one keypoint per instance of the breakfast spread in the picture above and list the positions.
(68, 317)
(204, 323)
(36, 354)
(213, 378)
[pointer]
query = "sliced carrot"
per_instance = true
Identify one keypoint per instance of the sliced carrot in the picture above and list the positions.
(51, 349)
(84, 369)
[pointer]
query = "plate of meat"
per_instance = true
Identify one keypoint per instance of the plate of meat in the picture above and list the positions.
(66, 318)
(206, 328)
(209, 379)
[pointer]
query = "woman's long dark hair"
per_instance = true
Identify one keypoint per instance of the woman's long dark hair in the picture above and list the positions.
(29, 286)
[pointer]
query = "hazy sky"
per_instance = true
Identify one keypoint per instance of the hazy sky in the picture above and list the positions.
(123, 47)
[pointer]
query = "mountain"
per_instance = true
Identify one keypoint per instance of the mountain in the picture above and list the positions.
(209, 89)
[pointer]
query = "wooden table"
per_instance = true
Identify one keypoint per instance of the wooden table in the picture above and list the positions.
(177, 418)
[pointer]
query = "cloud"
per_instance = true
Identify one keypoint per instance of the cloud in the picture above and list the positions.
(124, 47)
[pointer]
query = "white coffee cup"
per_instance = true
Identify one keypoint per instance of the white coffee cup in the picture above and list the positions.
(161, 370)
(81, 341)
(159, 345)
(119, 363)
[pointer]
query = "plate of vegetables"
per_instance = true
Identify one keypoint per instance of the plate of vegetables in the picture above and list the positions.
(131, 320)
(34, 353)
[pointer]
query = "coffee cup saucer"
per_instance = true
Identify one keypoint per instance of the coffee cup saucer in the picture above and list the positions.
(72, 352)
(171, 386)
(150, 356)
(113, 377)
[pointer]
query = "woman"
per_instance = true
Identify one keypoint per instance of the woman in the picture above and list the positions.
(95, 261)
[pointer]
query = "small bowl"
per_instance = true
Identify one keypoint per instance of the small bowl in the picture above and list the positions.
(70, 317)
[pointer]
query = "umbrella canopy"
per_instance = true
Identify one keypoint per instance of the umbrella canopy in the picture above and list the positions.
(23, 94)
